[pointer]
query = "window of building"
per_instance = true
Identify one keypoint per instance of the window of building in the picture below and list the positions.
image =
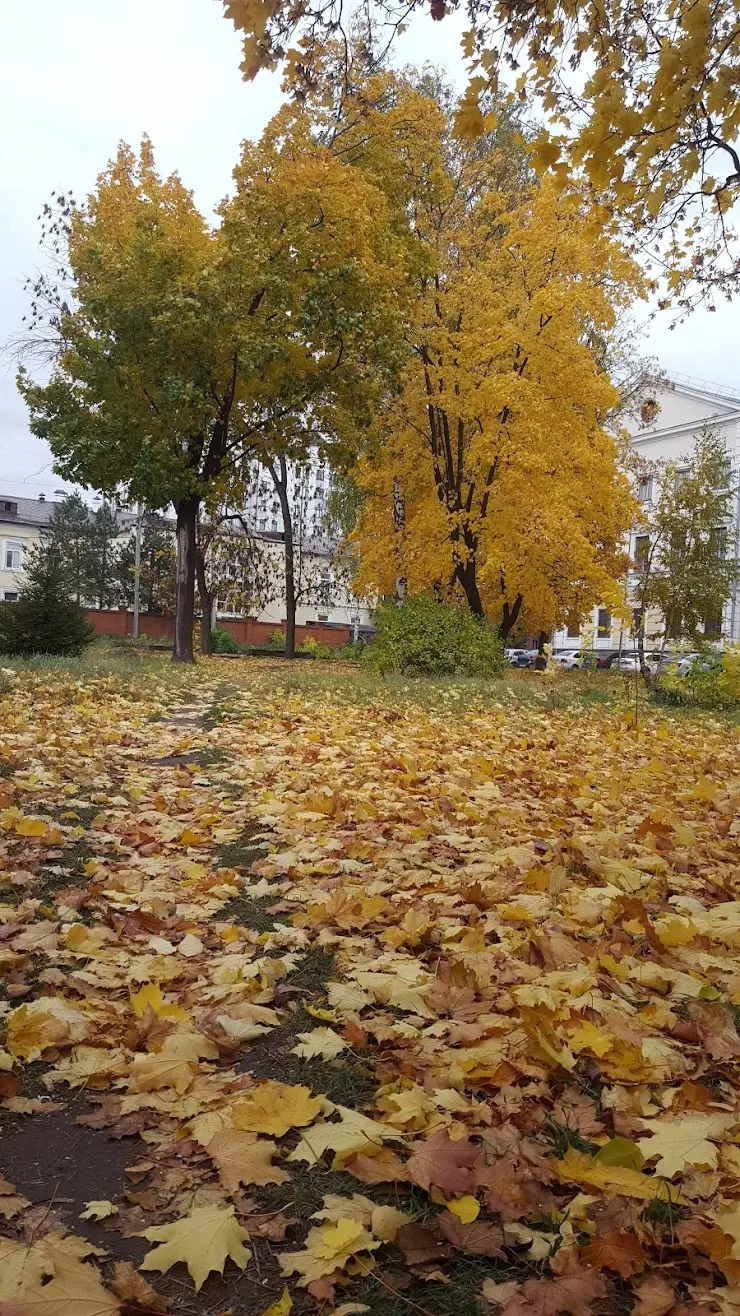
(713, 626)
(642, 550)
(604, 624)
(574, 630)
(649, 411)
(322, 616)
(645, 489)
(718, 541)
(7, 506)
(11, 596)
(13, 556)
(680, 478)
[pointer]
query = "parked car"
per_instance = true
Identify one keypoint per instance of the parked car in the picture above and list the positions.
(703, 661)
(570, 658)
(607, 659)
(656, 660)
(520, 657)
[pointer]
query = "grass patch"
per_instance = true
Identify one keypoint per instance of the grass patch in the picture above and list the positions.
(241, 853)
(314, 970)
(219, 710)
(561, 1137)
(250, 913)
(210, 755)
(70, 866)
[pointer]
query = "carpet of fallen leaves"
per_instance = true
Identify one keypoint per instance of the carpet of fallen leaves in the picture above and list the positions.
(374, 1008)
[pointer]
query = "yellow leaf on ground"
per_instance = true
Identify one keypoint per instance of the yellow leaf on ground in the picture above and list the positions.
(31, 827)
(328, 1248)
(282, 1307)
(202, 1240)
(576, 1167)
(276, 1107)
(150, 997)
(323, 1042)
(684, 1141)
(98, 1210)
(352, 1133)
(466, 1208)
(149, 1073)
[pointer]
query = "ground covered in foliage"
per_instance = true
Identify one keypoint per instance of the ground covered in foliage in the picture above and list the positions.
(375, 1005)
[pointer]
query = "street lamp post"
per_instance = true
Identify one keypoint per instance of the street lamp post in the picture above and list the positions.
(137, 566)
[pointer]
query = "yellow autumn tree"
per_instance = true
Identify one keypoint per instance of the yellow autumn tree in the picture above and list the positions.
(642, 97)
(493, 478)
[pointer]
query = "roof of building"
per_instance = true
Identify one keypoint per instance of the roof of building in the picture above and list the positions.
(25, 511)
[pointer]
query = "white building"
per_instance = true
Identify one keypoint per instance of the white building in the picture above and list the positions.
(671, 418)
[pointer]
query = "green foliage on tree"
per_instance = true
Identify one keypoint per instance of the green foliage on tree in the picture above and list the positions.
(84, 543)
(46, 618)
(426, 638)
(179, 348)
(685, 563)
(157, 571)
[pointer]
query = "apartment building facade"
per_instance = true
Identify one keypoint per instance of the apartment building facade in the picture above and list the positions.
(671, 417)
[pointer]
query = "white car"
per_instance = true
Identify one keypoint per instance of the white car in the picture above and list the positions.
(570, 658)
(704, 662)
(655, 661)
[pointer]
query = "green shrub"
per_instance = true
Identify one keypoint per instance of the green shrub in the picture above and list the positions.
(425, 638)
(223, 641)
(45, 619)
(276, 641)
(713, 686)
(316, 648)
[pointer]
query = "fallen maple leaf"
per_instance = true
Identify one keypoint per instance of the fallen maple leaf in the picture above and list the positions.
(134, 1290)
(322, 1042)
(327, 1249)
(481, 1238)
(203, 1240)
(420, 1245)
(276, 1107)
(655, 1297)
(684, 1141)
(243, 1158)
(569, 1296)
(98, 1210)
(351, 1133)
(445, 1163)
(385, 1167)
(282, 1307)
(615, 1250)
(576, 1167)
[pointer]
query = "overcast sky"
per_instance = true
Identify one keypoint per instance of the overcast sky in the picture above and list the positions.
(77, 77)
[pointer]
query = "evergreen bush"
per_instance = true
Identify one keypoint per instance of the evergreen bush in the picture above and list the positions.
(45, 619)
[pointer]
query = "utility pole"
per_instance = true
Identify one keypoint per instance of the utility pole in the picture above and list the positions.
(137, 566)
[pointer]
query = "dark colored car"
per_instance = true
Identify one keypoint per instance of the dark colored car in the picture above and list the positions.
(607, 659)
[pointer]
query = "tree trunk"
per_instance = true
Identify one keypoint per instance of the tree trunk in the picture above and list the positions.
(466, 577)
(644, 672)
(206, 606)
(399, 527)
(187, 519)
(280, 482)
(509, 617)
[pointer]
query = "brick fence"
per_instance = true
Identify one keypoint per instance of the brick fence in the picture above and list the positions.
(119, 622)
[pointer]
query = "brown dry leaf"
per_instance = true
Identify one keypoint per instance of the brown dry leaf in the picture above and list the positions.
(420, 1245)
(386, 1167)
(131, 1287)
(444, 1163)
(655, 1297)
(243, 1158)
(569, 1296)
(614, 1250)
(479, 1238)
